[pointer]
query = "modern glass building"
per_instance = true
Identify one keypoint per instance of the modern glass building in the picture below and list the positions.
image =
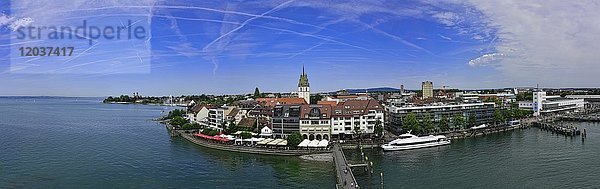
(482, 112)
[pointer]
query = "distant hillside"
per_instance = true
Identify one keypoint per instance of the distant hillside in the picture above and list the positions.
(377, 89)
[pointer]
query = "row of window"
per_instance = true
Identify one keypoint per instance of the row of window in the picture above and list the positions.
(315, 122)
(349, 129)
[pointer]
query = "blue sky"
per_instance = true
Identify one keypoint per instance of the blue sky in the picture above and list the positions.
(230, 47)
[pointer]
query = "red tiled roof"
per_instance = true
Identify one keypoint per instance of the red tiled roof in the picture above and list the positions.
(347, 96)
(324, 111)
(331, 103)
(356, 107)
(279, 101)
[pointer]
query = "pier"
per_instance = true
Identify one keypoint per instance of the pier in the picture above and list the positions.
(467, 133)
(566, 130)
(344, 175)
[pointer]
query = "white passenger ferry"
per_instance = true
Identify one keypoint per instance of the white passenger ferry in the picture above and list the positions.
(408, 141)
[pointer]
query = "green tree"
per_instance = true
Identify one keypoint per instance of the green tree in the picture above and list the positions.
(459, 121)
(357, 131)
(472, 120)
(210, 132)
(175, 113)
(444, 124)
(213, 132)
(508, 114)
(124, 98)
(497, 116)
(427, 123)
(109, 99)
(410, 122)
(294, 139)
(189, 126)
(316, 98)
(231, 128)
(246, 135)
(178, 121)
(256, 93)
(378, 128)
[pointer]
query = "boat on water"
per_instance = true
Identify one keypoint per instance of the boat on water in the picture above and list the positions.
(409, 141)
(479, 127)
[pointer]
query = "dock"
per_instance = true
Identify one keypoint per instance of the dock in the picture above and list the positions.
(562, 129)
(344, 175)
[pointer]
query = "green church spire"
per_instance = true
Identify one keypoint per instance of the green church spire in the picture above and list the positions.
(303, 82)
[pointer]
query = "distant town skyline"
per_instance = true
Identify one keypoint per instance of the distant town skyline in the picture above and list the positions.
(230, 47)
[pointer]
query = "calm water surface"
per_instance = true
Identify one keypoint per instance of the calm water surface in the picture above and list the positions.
(82, 143)
(530, 158)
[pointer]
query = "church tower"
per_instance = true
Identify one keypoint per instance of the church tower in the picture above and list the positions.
(304, 87)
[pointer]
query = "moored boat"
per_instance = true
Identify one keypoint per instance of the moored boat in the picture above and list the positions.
(409, 141)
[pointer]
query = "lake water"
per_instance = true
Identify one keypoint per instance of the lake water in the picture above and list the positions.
(82, 143)
(529, 158)
(49, 142)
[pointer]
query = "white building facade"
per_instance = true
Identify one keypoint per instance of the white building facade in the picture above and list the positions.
(217, 117)
(543, 104)
(356, 115)
(315, 121)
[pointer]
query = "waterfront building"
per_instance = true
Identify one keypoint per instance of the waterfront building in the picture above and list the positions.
(304, 87)
(217, 117)
(504, 98)
(544, 104)
(266, 132)
(427, 89)
(285, 120)
(356, 115)
(586, 98)
(199, 114)
(482, 112)
(525, 105)
(236, 115)
(468, 97)
(315, 121)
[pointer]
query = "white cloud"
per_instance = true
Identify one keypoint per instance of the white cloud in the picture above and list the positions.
(447, 18)
(486, 59)
(551, 41)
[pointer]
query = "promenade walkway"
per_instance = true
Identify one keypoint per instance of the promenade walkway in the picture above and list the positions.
(251, 150)
(345, 177)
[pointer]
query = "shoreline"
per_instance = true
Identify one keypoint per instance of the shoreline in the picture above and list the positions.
(347, 146)
(249, 150)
